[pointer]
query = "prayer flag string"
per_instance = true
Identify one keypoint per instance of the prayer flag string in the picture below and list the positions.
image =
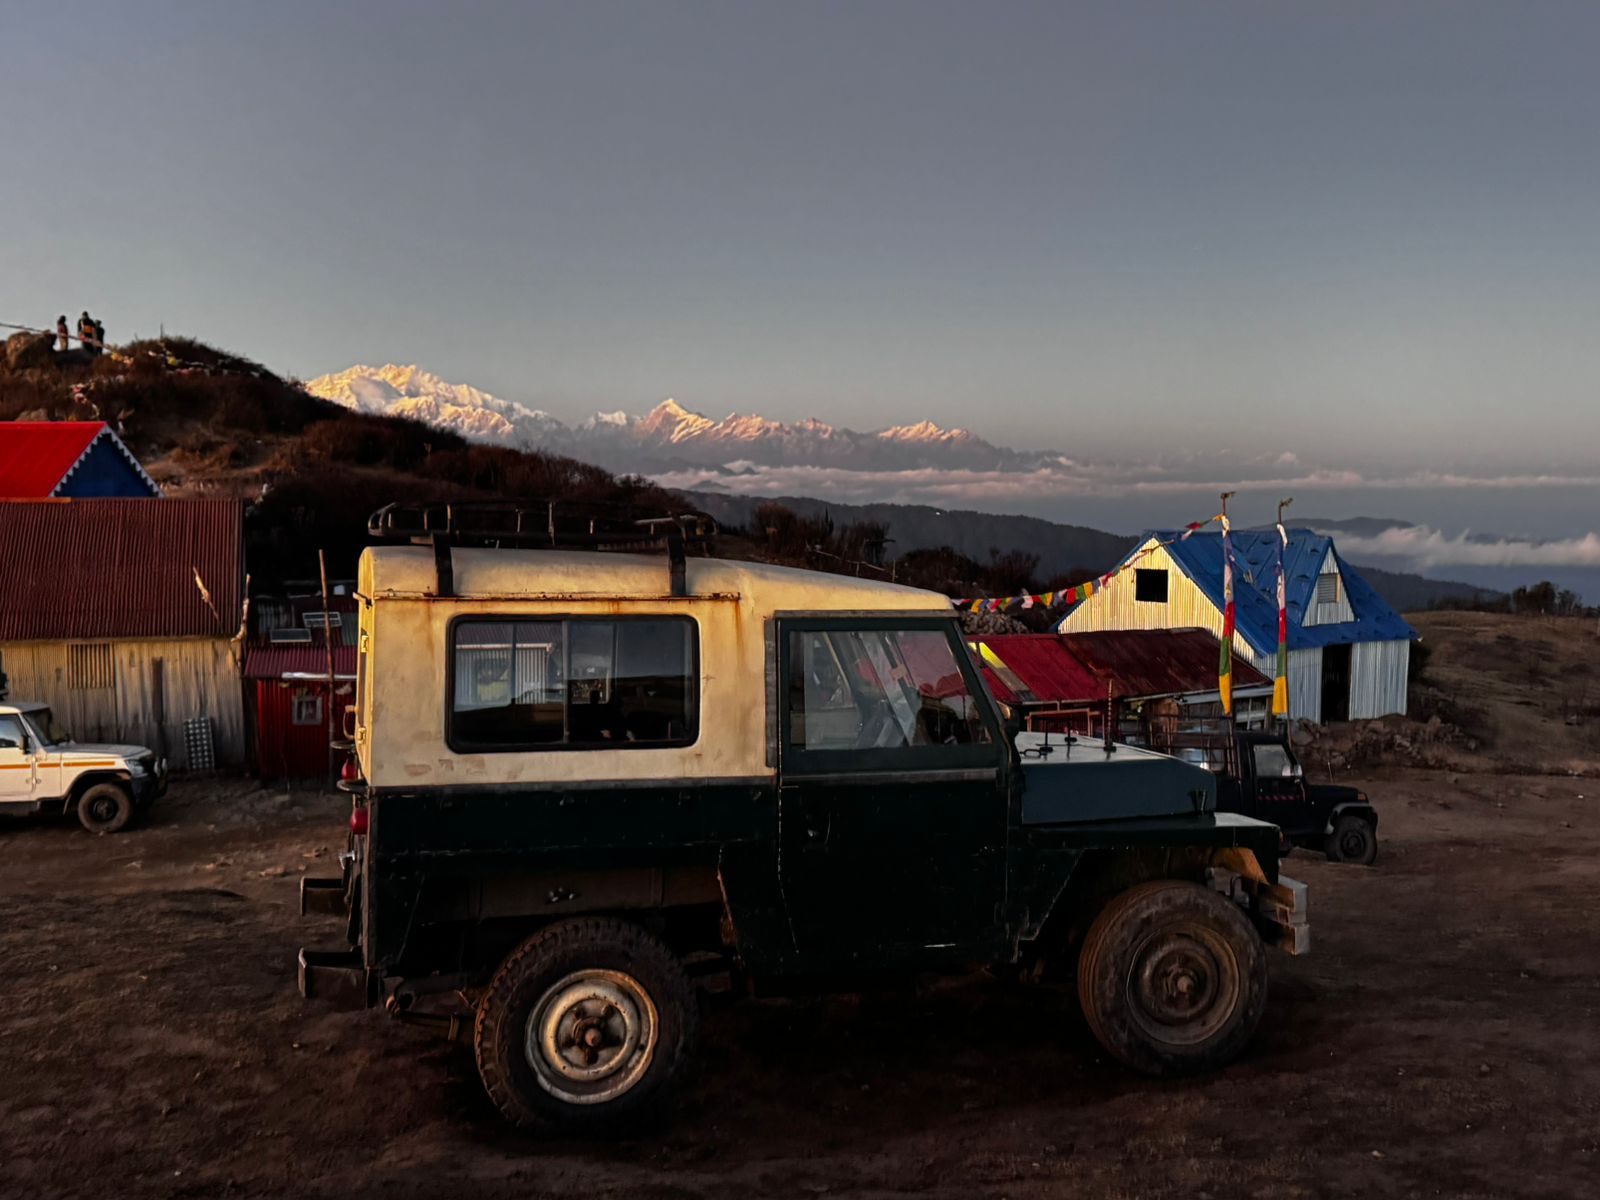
(1067, 597)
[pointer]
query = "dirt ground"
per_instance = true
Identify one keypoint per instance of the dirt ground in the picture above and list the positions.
(1442, 1040)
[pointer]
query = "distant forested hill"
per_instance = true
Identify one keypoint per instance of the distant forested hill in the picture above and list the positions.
(1062, 549)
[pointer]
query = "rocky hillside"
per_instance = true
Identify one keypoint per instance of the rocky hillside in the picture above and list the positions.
(206, 422)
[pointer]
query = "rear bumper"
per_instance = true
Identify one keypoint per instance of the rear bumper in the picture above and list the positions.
(338, 978)
(323, 895)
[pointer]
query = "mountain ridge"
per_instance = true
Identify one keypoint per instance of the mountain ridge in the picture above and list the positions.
(666, 438)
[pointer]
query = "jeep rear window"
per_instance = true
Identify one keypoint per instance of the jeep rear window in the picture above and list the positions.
(574, 683)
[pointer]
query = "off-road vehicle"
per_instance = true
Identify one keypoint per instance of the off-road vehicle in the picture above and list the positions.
(582, 778)
(1259, 775)
(43, 769)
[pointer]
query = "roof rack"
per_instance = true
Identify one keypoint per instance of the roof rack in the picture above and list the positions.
(541, 526)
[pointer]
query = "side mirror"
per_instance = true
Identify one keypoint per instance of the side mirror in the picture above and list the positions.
(1010, 720)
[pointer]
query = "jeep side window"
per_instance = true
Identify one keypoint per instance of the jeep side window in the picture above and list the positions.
(878, 689)
(1272, 762)
(573, 683)
(10, 733)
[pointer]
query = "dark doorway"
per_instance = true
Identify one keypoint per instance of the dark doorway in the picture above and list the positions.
(1335, 683)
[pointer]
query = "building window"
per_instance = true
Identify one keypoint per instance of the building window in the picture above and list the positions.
(90, 665)
(1328, 588)
(1150, 585)
(573, 683)
(305, 707)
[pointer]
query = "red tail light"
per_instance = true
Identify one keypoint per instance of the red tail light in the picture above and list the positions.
(350, 772)
(358, 821)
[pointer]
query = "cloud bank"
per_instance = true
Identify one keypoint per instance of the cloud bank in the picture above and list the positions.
(1070, 479)
(1424, 547)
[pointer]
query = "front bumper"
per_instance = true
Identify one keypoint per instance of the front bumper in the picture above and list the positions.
(147, 787)
(1279, 911)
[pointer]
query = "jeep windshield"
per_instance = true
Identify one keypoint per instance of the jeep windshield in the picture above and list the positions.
(47, 727)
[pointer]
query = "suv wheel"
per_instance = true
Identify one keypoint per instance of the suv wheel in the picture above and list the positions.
(585, 1025)
(1172, 978)
(105, 808)
(1353, 840)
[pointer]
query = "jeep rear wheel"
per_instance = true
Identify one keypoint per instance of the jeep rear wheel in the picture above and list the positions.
(105, 808)
(1353, 840)
(1172, 978)
(585, 1025)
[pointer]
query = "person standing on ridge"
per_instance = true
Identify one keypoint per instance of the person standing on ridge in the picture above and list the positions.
(99, 336)
(63, 334)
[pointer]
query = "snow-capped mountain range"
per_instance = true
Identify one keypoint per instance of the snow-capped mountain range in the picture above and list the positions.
(668, 437)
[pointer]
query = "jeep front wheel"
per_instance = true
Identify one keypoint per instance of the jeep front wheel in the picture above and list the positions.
(585, 1025)
(105, 808)
(1353, 840)
(1172, 978)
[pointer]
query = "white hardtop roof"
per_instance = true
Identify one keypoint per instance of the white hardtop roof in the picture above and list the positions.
(400, 571)
(16, 706)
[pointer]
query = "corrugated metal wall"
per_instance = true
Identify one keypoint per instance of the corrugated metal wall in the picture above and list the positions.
(1378, 670)
(1115, 607)
(199, 678)
(285, 749)
(1305, 685)
(1336, 613)
(1378, 674)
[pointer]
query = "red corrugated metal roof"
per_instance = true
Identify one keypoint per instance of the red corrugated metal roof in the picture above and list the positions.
(1044, 665)
(1074, 667)
(274, 662)
(998, 688)
(34, 455)
(1159, 662)
(120, 568)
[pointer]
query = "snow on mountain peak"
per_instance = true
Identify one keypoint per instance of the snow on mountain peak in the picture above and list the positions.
(667, 438)
(923, 431)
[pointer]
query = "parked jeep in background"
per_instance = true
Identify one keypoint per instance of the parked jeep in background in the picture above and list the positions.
(583, 779)
(1259, 775)
(42, 768)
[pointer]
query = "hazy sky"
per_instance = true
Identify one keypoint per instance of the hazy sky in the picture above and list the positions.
(1352, 231)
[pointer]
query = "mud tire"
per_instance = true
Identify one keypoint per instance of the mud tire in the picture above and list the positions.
(513, 1062)
(1172, 978)
(105, 808)
(1353, 840)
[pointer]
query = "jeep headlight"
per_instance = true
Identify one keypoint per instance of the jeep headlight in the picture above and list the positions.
(136, 767)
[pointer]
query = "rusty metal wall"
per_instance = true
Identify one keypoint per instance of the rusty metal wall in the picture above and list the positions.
(187, 677)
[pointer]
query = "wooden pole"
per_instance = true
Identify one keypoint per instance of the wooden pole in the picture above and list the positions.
(327, 643)
(1284, 583)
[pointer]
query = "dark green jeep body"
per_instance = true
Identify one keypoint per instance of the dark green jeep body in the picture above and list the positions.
(872, 810)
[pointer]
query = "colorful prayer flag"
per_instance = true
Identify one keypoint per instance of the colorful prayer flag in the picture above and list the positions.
(1280, 674)
(1225, 659)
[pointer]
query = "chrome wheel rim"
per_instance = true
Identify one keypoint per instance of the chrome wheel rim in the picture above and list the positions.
(1183, 985)
(592, 1036)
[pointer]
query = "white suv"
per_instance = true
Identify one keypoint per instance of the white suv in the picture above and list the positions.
(41, 766)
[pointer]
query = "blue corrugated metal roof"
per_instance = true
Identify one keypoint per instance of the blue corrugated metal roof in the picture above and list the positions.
(1255, 590)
